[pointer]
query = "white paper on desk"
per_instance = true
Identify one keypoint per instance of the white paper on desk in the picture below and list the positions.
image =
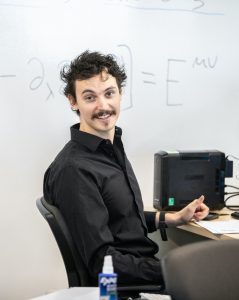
(154, 296)
(74, 293)
(220, 227)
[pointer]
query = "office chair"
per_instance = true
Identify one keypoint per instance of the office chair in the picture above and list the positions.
(205, 270)
(77, 273)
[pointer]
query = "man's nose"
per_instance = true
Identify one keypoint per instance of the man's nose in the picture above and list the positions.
(102, 102)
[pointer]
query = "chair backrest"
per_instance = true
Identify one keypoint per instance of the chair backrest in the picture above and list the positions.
(205, 270)
(76, 271)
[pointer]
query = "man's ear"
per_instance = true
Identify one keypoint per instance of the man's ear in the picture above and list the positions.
(73, 102)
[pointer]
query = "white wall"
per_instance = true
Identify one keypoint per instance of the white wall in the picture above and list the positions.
(182, 93)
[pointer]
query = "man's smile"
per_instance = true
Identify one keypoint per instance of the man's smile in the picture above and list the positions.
(104, 114)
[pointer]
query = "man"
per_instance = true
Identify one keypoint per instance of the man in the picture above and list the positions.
(93, 184)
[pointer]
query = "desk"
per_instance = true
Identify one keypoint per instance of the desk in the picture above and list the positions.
(84, 293)
(75, 293)
(190, 233)
(196, 229)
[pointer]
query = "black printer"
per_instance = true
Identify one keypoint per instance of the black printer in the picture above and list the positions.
(181, 176)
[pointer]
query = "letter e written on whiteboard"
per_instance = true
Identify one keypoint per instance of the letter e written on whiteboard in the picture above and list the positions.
(171, 99)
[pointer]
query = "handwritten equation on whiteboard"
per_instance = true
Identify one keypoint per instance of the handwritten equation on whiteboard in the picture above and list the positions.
(33, 3)
(149, 78)
(41, 81)
(203, 7)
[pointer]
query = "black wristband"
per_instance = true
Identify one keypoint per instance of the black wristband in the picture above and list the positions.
(162, 226)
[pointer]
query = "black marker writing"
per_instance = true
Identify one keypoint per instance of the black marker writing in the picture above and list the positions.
(193, 6)
(51, 92)
(7, 76)
(61, 65)
(170, 81)
(150, 76)
(36, 82)
(128, 62)
(205, 62)
(202, 3)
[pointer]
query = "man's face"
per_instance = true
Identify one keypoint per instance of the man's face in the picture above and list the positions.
(98, 100)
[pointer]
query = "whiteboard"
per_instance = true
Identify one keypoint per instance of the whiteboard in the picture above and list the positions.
(182, 93)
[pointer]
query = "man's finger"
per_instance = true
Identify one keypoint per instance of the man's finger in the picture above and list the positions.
(200, 200)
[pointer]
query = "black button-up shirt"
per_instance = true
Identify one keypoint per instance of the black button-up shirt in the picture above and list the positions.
(94, 186)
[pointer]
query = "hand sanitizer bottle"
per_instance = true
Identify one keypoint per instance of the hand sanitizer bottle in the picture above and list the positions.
(108, 280)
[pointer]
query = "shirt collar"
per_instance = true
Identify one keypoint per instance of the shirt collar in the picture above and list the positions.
(89, 140)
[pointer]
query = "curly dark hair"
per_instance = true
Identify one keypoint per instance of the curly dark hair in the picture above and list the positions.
(89, 64)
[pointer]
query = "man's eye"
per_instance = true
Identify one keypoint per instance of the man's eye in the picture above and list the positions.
(110, 93)
(89, 98)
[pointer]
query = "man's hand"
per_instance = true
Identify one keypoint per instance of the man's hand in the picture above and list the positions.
(196, 210)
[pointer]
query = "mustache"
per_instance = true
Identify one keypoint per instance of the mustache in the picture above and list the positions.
(102, 113)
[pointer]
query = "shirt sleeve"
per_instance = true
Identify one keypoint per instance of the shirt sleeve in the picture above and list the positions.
(77, 194)
(150, 220)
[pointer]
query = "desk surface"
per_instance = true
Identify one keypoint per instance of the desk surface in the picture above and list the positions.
(82, 293)
(194, 228)
(86, 293)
